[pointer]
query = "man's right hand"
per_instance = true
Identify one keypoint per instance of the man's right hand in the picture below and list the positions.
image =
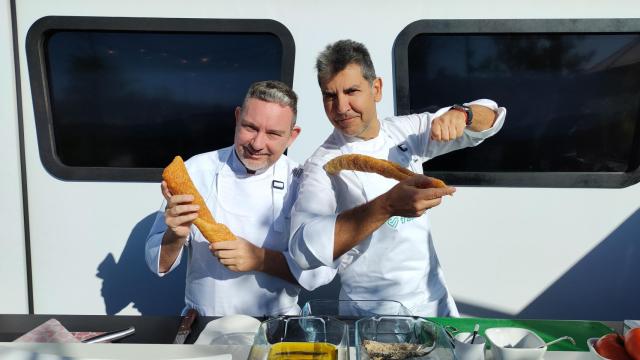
(412, 198)
(179, 213)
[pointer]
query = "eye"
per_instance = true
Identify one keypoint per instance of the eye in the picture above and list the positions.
(249, 127)
(328, 97)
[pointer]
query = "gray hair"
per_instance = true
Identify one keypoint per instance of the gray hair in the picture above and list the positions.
(337, 56)
(274, 92)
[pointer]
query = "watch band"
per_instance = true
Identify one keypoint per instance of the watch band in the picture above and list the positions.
(466, 110)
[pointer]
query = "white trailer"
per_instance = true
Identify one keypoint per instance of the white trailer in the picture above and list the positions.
(520, 248)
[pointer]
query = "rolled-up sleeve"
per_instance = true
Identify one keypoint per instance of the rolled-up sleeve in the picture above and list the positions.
(154, 244)
(313, 219)
(310, 279)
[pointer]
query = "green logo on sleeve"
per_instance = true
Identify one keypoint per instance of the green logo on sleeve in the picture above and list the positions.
(394, 221)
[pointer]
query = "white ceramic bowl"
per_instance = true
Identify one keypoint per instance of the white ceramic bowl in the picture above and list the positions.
(591, 343)
(515, 344)
(229, 330)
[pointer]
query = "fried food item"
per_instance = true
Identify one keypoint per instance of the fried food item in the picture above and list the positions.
(389, 169)
(179, 182)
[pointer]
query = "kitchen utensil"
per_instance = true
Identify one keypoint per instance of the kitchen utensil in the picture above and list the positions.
(185, 326)
(110, 336)
(568, 338)
(476, 327)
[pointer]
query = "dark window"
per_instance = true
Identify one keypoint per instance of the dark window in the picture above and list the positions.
(572, 99)
(123, 101)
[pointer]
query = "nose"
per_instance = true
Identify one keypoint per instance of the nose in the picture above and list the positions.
(258, 142)
(342, 103)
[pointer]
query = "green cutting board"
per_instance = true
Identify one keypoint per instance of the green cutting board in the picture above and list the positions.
(548, 330)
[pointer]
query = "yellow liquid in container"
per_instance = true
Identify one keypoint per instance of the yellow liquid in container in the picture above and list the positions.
(302, 351)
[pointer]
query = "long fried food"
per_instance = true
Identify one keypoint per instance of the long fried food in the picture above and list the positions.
(389, 169)
(179, 182)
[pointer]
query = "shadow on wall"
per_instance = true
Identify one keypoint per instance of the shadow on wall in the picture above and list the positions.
(130, 281)
(603, 285)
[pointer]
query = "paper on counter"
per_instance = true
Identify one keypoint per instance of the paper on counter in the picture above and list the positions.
(50, 331)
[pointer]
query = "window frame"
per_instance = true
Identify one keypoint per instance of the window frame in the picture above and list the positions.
(40, 31)
(510, 26)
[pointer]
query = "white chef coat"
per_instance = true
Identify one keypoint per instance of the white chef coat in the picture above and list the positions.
(255, 207)
(398, 261)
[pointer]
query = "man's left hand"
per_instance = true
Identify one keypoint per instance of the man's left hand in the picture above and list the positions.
(238, 255)
(448, 126)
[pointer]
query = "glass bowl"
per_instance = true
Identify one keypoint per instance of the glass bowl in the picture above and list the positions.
(301, 337)
(400, 337)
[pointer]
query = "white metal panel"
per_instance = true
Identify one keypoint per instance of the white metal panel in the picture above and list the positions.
(13, 268)
(76, 225)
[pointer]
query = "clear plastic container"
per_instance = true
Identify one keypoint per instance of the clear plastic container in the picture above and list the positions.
(355, 308)
(301, 338)
(401, 337)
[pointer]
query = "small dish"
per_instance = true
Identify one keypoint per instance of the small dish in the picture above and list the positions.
(229, 330)
(591, 343)
(515, 344)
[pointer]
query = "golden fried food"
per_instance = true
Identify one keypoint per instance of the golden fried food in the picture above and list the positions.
(389, 169)
(214, 231)
(179, 182)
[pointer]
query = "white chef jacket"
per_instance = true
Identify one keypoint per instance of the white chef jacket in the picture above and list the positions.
(398, 261)
(255, 207)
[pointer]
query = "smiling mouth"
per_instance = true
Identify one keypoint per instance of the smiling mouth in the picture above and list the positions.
(251, 154)
(340, 121)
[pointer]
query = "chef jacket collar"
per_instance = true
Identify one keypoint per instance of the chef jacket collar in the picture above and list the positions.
(278, 188)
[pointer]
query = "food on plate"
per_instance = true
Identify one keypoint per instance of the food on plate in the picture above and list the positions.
(632, 343)
(302, 351)
(389, 169)
(179, 182)
(611, 346)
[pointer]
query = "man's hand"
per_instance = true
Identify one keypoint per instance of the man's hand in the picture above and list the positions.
(411, 198)
(239, 255)
(179, 213)
(448, 126)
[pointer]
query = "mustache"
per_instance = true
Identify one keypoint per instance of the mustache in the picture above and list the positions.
(252, 151)
(345, 117)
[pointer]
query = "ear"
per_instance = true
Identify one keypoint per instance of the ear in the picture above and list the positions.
(377, 89)
(294, 134)
(238, 113)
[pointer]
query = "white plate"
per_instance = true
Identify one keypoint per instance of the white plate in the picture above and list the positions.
(229, 330)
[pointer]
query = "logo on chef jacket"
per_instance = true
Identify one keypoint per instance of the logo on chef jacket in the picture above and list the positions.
(395, 221)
